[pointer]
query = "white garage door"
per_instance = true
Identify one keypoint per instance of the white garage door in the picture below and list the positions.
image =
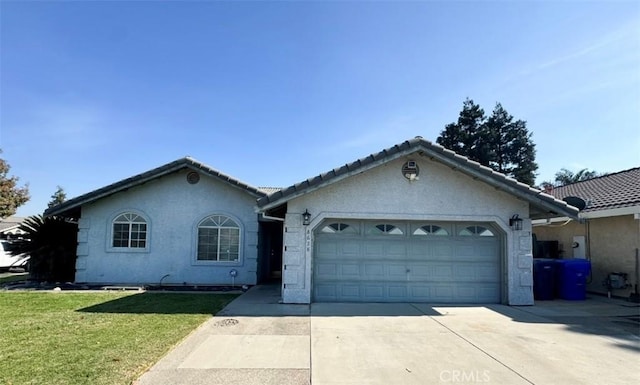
(382, 261)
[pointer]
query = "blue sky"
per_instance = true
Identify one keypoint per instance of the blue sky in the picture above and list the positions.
(275, 92)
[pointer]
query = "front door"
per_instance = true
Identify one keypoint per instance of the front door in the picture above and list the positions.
(270, 252)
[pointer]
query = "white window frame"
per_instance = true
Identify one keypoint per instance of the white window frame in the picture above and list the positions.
(350, 229)
(374, 231)
(132, 215)
(430, 234)
(474, 233)
(237, 225)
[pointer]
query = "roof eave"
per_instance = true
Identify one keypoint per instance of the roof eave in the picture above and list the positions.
(137, 180)
(548, 204)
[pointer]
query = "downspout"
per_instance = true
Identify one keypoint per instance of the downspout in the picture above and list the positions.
(265, 216)
(587, 250)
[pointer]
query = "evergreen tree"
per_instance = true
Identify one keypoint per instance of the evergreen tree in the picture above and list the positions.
(508, 146)
(11, 196)
(497, 142)
(462, 136)
(58, 197)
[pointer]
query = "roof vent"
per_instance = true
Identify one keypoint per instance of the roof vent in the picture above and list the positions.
(193, 177)
(410, 170)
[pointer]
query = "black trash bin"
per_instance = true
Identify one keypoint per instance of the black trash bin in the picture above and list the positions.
(544, 270)
(571, 278)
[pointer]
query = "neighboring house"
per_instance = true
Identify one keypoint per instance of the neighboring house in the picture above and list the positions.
(9, 227)
(415, 222)
(608, 232)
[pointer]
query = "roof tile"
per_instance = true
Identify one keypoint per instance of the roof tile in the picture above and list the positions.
(620, 189)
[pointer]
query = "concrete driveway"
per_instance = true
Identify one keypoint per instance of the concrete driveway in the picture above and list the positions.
(255, 340)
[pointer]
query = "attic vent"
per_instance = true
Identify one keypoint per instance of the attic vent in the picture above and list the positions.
(193, 177)
(410, 170)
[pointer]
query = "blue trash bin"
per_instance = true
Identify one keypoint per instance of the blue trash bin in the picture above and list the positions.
(572, 278)
(544, 278)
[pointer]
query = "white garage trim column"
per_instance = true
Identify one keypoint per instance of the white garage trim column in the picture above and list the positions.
(296, 273)
(520, 263)
(299, 245)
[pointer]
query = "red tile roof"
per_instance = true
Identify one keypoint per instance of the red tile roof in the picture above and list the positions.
(620, 189)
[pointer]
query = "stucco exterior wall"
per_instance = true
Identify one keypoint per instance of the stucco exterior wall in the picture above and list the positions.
(563, 233)
(173, 209)
(613, 242)
(384, 193)
(611, 245)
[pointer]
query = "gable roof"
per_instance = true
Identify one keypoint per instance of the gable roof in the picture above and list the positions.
(610, 191)
(72, 206)
(542, 205)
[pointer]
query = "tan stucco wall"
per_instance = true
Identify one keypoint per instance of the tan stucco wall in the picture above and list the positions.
(611, 245)
(563, 233)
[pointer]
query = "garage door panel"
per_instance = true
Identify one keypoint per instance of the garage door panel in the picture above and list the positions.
(374, 292)
(396, 249)
(442, 293)
(443, 251)
(327, 247)
(326, 270)
(419, 250)
(350, 270)
(420, 292)
(487, 271)
(466, 293)
(326, 292)
(489, 291)
(445, 269)
(465, 250)
(418, 271)
(349, 248)
(465, 272)
(397, 292)
(374, 270)
(373, 249)
(397, 271)
(349, 291)
(486, 250)
(442, 272)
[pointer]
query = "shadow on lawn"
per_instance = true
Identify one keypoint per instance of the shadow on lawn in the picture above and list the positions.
(163, 303)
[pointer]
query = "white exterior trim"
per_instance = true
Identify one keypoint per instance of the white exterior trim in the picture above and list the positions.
(611, 212)
(631, 210)
(194, 250)
(516, 253)
(109, 244)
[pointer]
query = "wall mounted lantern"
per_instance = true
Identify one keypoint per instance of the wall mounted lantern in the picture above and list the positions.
(515, 222)
(306, 217)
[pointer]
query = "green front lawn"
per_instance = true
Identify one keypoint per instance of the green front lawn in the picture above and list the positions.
(94, 338)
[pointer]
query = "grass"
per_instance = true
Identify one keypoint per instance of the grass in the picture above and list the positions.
(94, 338)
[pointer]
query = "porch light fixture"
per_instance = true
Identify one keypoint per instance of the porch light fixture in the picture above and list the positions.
(515, 222)
(306, 217)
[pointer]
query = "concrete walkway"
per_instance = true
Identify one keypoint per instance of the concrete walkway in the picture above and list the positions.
(256, 340)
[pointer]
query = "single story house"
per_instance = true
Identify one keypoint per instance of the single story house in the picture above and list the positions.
(10, 227)
(414, 222)
(608, 232)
